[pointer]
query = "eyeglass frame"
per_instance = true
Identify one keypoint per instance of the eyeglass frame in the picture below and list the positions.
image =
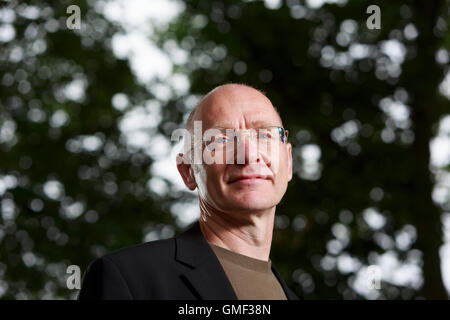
(283, 133)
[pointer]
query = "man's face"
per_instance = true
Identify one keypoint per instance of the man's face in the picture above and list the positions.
(259, 180)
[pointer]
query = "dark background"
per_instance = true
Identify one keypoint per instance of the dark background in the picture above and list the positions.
(362, 107)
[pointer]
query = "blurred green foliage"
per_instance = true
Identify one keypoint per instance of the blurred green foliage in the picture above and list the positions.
(78, 191)
(74, 189)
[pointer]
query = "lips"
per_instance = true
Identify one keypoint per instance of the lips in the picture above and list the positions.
(249, 178)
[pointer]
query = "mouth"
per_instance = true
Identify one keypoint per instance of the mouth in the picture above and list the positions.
(249, 179)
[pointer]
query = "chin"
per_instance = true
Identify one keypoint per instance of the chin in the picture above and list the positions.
(252, 202)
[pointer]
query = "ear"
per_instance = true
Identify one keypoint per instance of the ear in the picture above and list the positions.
(186, 172)
(289, 147)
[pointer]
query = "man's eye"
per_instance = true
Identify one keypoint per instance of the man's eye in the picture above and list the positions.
(221, 139)
(264, 135)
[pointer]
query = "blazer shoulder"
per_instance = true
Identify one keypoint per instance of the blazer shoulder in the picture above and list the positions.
(157, 249)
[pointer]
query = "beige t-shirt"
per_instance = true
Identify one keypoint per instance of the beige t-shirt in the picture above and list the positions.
(251, 279)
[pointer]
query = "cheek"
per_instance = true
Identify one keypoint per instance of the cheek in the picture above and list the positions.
(279, 165)
(200, 179)
(212, 178)
(282, 176)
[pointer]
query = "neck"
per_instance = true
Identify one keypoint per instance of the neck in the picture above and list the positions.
(248, 233)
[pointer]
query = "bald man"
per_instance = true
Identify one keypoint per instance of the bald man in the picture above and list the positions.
(241, 171)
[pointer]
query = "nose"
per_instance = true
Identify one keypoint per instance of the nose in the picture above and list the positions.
(246, 151)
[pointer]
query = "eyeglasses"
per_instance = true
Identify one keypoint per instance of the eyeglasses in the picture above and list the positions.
(217, 139)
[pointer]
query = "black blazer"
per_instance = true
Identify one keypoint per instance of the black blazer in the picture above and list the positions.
(184, 268)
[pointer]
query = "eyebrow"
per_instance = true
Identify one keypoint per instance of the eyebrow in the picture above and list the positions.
(253, 124)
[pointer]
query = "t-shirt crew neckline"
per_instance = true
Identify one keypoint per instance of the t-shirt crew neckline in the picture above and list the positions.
(243, 260)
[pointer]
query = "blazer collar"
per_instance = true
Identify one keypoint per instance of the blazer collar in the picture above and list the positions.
(207, 275)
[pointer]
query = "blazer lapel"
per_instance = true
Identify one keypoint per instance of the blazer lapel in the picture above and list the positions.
(290, 295)
(207, 275)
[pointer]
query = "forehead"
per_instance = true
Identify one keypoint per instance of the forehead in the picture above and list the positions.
(238, 108)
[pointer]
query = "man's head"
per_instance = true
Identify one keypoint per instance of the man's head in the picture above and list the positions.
(260, 181)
